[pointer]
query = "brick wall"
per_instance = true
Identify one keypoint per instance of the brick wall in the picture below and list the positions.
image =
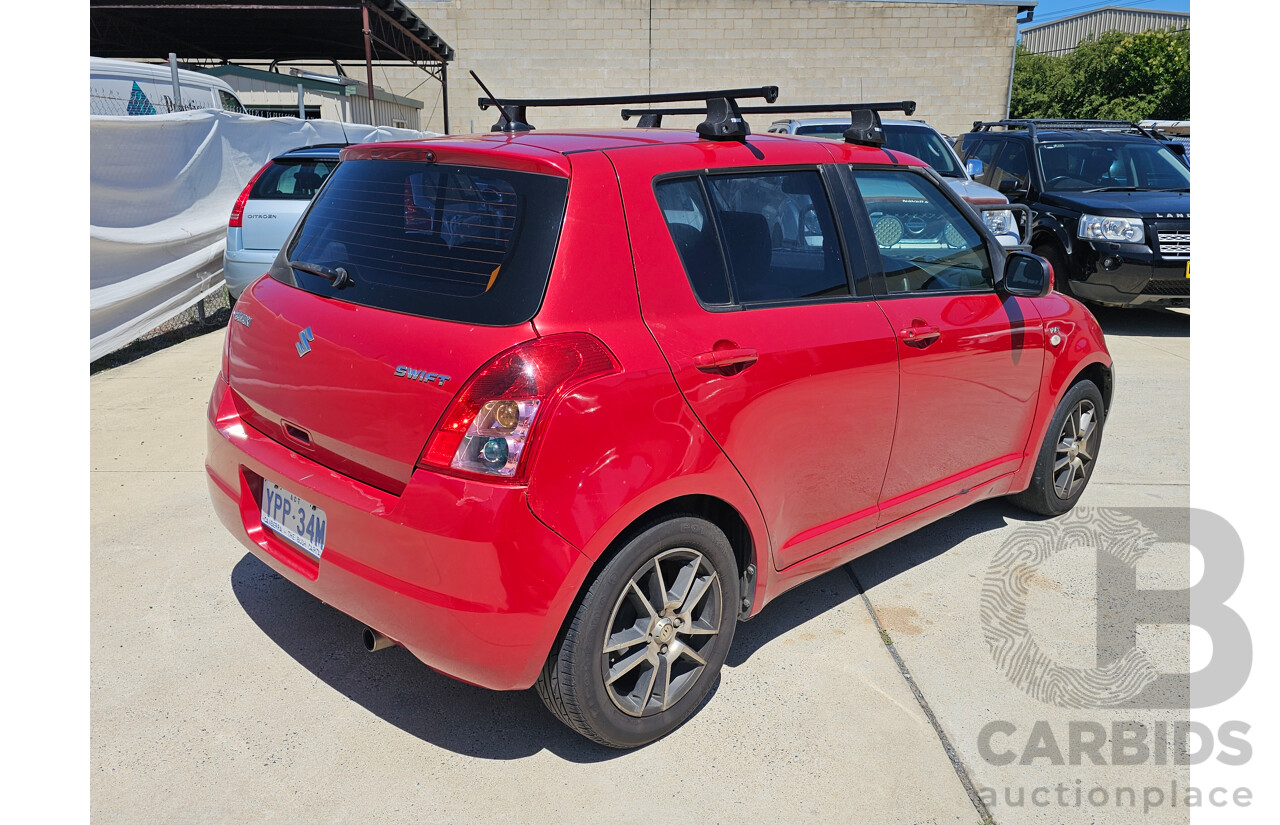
(953, 59)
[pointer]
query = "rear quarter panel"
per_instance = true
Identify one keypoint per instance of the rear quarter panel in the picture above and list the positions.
(621, 445)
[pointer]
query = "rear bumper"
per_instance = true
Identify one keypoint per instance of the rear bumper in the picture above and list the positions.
(458, 572)
(242, 267)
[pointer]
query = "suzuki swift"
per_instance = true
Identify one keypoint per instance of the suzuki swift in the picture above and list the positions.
(561, 409)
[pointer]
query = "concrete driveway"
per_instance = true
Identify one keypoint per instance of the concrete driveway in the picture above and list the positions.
(221, 693)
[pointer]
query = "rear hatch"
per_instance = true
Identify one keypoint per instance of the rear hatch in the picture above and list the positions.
(279, 197)
(446, 266)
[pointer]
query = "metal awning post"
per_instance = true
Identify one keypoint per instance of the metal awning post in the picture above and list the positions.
(302, 109)
(368, 57)
(444, 92)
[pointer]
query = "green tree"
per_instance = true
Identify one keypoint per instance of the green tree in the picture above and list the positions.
(1115, 76)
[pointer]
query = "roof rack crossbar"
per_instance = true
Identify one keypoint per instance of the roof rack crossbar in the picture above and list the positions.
(1032, 125)
(724, 121)
(864, 118)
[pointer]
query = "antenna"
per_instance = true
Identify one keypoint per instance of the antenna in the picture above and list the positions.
(507, 116)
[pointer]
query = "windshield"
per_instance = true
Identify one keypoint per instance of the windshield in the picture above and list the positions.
(925, 144)
(1111, 165)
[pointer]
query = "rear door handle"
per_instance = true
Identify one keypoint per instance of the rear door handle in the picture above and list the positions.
(725, 361)
(919, 336)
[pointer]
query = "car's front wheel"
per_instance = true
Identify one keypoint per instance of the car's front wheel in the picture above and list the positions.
(649, 637)
(1067, 456)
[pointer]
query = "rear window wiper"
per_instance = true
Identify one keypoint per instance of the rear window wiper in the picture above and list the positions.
(337, 275)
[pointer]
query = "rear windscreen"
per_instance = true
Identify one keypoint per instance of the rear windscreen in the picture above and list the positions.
(459, 243)
(286, 180)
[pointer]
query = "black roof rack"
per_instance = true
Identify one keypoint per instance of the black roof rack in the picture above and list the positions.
(864, 118)
(1033, 125)
(724, 119)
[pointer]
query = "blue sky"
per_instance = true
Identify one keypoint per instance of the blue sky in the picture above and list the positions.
(1054, 9)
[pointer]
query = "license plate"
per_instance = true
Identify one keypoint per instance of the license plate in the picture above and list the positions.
(293, 518)
(1188, 269)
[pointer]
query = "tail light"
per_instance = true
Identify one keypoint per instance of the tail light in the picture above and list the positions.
(491, 425)
(237, 211)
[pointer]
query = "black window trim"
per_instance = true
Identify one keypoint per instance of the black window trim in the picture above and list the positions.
(1033, 159)
(995, 251)
(860, 287)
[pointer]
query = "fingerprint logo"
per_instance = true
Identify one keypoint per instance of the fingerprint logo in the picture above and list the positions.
(1003, 611)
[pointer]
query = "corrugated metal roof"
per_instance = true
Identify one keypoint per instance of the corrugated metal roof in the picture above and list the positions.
(1062, 36)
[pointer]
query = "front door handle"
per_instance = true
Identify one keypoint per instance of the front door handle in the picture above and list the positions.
(725, 361)
(919, 335)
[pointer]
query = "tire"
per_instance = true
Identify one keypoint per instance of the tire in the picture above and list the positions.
(619, 629)
(1053, 492)
(1061, 281)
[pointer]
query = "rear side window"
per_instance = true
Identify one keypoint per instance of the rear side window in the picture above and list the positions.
(292, 180)
(457, 243)
(776, 230)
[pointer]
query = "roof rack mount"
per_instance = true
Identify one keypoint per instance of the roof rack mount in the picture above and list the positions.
(724, 119)
(864, 118)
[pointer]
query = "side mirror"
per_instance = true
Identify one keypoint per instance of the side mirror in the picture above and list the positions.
(974, 167)
(1027, 275)
(1177, 148)
(1011, 186)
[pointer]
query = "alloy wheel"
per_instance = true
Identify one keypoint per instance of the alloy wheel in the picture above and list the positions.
(1073, 457)
(666, 617)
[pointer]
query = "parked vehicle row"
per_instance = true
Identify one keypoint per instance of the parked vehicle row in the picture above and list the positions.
(1111, 200)
(559, 409)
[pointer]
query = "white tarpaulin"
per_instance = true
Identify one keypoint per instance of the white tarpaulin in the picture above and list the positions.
(160, 191)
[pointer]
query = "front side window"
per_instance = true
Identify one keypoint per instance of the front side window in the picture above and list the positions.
(774, 231)
(229, 102)
(1012, 166)
(925, 243)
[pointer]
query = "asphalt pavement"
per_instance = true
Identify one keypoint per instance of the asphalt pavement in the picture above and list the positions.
(221, 693)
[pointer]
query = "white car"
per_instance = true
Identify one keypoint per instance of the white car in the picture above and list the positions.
(917, 138)
(127, 87)
(269, 207)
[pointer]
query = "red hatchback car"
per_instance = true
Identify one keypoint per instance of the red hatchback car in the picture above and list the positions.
(560, 409)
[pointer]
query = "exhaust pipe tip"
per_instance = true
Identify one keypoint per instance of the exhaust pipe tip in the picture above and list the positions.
(374, 641)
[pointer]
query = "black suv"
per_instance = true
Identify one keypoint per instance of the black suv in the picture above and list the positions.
(1111, 204)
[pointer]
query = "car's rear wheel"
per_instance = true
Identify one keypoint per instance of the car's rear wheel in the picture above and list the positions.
(649, 637)
(1070, 450)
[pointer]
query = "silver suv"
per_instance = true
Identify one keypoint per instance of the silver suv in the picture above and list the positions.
(918, 138)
